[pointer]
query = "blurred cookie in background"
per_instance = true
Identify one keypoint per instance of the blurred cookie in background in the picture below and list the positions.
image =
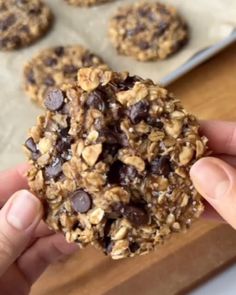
(86, 2)
(55, 66)
(22, 22)
(147, 31)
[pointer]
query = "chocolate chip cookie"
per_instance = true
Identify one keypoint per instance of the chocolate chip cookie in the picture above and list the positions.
(54, 66)
(22, 22)
(147, 31)
(86, 2)
(111, 158)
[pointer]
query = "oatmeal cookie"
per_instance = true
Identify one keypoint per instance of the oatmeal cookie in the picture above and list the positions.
(111, 158)
(55, 66)
(147, 31)
(22, 22)
(86, 2)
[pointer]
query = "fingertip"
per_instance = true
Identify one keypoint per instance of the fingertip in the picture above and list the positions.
(24, 210)
(22, 169)
(64, 247)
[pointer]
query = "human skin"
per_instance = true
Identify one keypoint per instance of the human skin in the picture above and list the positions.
(28, 247)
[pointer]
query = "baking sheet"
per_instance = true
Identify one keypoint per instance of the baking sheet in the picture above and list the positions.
(210, 22)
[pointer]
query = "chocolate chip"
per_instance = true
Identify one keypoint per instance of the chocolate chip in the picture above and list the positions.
(63, 144)
(31, 145)
(113, 175)
(3, 42)
(25, 29)
(50, 61)
(107, 227)
(138, 29)
(134, 246)
(138, 111)
(54, 100)
(161, 166)
(108, 136)
(16, 40)
(143, 45)
(70, 69)
(87, 59)
(49, 81)
(30, 77)
(117, 208)
(127, 174)
(155, 122)
(127, 84)
(81, 201)
(107, 245)
(54, 170)
(95, 100)
(7, 22)
(135, 215)
(59, 51)
(161, 28)
(35, 10)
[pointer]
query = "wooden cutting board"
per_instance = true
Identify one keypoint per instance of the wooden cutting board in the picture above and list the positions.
(187, 259)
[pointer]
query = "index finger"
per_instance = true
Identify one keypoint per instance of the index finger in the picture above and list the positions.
(221, 135)
(11, 181)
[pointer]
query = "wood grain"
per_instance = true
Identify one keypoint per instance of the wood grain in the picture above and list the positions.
(209, 91)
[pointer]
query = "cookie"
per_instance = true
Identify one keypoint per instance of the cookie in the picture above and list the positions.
(147, 31)
(22, 22)
(54, 66)
(86, 2)
(111, 158)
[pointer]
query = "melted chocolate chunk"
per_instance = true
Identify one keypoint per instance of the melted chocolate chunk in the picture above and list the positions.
(161, 28)
(143, 45)
(7, 22)
(54, 100)
(59, 51)
(108, 136)
(95, 100)
(161, 166)
(35, 10)
(155, 122)
(81, 201)
(49, 81)
(120, 173)
(138, 111)
(134, 246)
(136, 215)
(87, 59)
(107, 244)
(54, 170)
(70, 69)
(113, 175)
(30, 77)
(107, 227)
(31, 145)
(131, 32)
(50, 61)
(127, 84)
(16, 40)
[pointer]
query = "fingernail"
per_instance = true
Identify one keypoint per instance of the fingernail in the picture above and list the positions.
(209, 178)
(24, 210)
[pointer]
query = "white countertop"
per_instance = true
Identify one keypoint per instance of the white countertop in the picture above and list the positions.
(222, 284)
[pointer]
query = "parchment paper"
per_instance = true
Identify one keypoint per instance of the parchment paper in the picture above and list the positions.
(210, 21)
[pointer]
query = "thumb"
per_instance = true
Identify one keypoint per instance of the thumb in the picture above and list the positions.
(18, 220)
(215, 180)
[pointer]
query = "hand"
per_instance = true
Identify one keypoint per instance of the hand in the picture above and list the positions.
(215, 177)
(27, 246)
